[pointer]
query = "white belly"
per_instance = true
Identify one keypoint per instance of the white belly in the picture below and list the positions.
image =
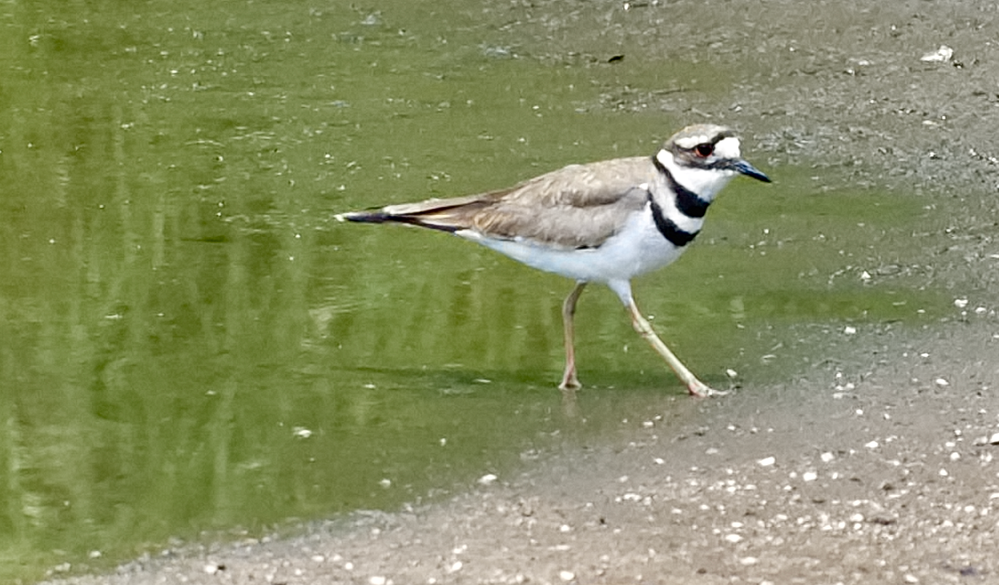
(638, 248)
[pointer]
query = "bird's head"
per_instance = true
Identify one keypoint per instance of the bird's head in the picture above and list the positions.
(705, 157)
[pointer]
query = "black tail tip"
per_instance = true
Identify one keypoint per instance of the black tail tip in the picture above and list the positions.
(364, 216)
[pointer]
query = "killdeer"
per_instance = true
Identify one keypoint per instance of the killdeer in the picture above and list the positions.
(602, 222)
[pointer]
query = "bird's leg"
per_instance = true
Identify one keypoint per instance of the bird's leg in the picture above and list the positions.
(642, 326)
(569, 379)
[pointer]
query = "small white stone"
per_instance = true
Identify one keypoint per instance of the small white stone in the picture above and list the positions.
(941, 382)
(488, 479)
(994, 439)
(809, 476)
(455, 567)
(377, 580)
(748, 561)
(827, 457)
(566, 575)
(872, 445)
(910, 578)
(766, 461)
(858, 517)
(849, 330)
(960, 303)
(733, 538)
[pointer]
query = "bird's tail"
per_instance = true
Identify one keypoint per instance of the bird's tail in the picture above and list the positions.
(382, 216)
(448, 215)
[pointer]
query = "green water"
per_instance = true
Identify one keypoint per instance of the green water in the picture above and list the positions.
(189, 342)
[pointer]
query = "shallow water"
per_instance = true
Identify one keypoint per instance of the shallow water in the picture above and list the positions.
(190, 343)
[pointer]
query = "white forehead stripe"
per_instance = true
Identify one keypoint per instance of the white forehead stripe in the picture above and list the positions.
(688, 142)
(728, 148)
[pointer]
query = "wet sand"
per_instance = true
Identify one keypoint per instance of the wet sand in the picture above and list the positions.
(878, 465)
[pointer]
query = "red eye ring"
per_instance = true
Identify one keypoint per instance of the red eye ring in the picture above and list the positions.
(705, 149)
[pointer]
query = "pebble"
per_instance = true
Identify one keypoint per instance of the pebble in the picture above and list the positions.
(566, 575)
(766, 461)
(213, 568)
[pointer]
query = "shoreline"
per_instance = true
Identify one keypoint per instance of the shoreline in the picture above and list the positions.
(877, 466)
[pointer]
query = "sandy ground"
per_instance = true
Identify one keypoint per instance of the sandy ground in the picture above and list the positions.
(879, 466)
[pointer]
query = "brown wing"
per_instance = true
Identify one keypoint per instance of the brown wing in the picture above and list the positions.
(577, 206)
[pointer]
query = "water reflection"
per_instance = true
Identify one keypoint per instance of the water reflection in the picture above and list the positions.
(188, 342)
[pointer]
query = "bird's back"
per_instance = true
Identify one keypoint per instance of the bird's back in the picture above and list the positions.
(577, 206)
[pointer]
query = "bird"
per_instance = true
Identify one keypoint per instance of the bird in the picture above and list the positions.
(601, 222)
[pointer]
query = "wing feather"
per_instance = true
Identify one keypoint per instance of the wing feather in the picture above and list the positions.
(578, 206)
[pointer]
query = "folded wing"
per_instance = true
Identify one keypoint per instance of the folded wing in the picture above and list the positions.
(578, 206)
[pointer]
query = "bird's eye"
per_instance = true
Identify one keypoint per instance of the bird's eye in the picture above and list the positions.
(705, 149)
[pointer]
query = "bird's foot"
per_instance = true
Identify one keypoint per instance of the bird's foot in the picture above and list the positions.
(570, 384)
(702, 390)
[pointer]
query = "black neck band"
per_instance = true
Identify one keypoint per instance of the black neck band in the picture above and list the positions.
(667, 228)
(687, 201)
